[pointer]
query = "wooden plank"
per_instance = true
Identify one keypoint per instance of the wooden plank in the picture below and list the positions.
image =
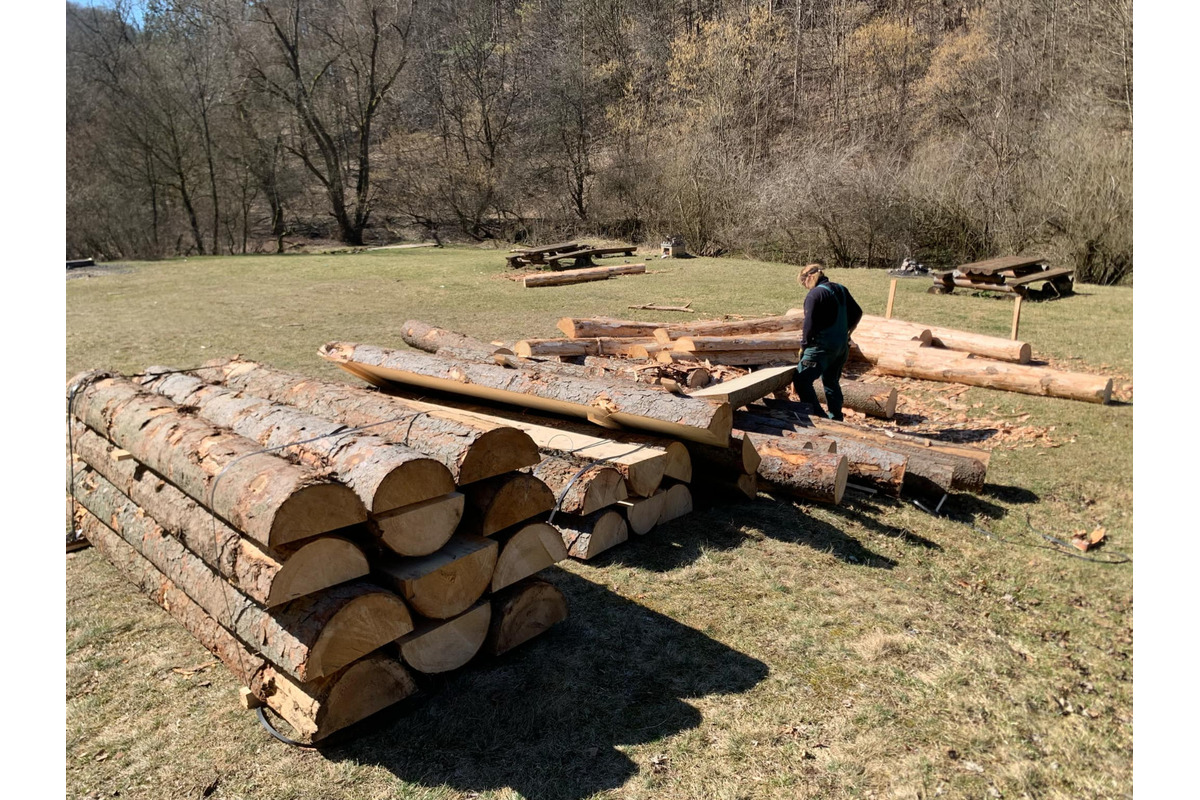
(748, 388)
(1044, 275)
(993, 265)
(1016, 316)
(891, 298)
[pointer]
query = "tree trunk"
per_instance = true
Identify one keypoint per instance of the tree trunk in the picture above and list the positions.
(715, 487)
(872, 399)
(268, 578)
(426, 337)
(471, 450)
(740, 458)
(570, 276)
(421, 528)
(581, 487)
(385, 476)
(526, 551)
(603, 326)
(595, 346)
(789, 467)
(605, 403)
(789, 322)
(315, 709)
(691, 377)
(446, 583)
(503, 501)
(586, 537)
(988, 346)
(442, 645)
(643, 513)
(730, 358)
(265, 497)
(522, 612)
(307, 638)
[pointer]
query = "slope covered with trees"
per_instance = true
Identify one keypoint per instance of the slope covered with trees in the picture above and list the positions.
(856, 131)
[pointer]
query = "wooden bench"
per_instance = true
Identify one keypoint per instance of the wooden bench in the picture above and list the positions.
(583, 258)
(537, 255)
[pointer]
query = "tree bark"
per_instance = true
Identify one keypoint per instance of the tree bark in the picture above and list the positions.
(587, 537)
(580, 487)
(522, 612)
(575, 328)
(308, 638)
(691, 377)
(951, 339)
(872, 399)
(570, 276)
(446, 583)
(314, 709)
(605, 403)
(429, 338)
(436, 646)
(384, 475)
(789, 322)
(264, 576)
(789, 467)
(595, 346)
(265, 497)
(526, 551)
(730, 358)
(471, 450)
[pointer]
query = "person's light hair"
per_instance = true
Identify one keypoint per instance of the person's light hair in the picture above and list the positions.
(808, 271)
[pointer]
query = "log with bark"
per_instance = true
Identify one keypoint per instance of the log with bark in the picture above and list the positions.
(643, 513)
(261, 494)
(585, 275)
(521, 612)
(691, 377)
(587, 537)
(740, 458)
(525, 551)
(678, 502)
(872, 399)
(731, 358)
(574, 328)
(384, 475)
(580, 487)
(788, 467)
(421, 528)
(472, 450)
(995, 347)
(715, 487)
(309, 637)
(429, 338)
(594, 346)
(315, 709)
(503, 501)
(265, 576)
(787, 323)
(446, 583)
(606, 403)
(436, 646)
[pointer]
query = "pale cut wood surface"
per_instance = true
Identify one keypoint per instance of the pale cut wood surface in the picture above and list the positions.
(436, 646)
(446, 583)
(421, 528)
(523, 611)
(526, 551)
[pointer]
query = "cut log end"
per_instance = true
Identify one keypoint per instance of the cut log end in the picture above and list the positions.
(526, 552)
(417, 481)
(444, 645)
(677, 504)
(314, 510)
(522, 612)
(496, 452)
(361, 626)
(587, 537)
(448, 582)
(364, 688)
(643, 513)
(317, 565)
(421, 528)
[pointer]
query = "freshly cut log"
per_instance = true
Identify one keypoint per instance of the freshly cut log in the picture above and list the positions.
(606, 403)
(587, 537)
(951, 367)
(587, 328)
(869, 349)
(522, 612)
(267, 498)
(446, 583)
(423, 336)
(790, 468)
(383, 475)
(724, 344)
(421, 528)
(436, 646)
(315, 709)
(264, 576)
(749, 387)
(731, 358)
(740, 327)
(643, 513)
(581, 488)
(692, 377)
(867, 463)
(677, 504)
(595, 346)
(501, 502)
(995, 347)
(525, 551)
(309, 637)
(872, 399)
(471, 450)
(584, 275)
(643, 459)
(740, 458)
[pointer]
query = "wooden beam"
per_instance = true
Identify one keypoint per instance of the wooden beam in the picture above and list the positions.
(1016, 316)
(749, 387)
(891, 298)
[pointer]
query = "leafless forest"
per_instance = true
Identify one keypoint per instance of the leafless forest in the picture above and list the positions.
(853, 131)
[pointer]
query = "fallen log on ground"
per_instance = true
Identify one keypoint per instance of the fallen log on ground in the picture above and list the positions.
(754, 326)
(580, 488)
(446, 583)
(384, 475)
(587, 536)
(749, 387)
(471, 450)
(525, 551)
(691, 377)
(309, 637)
(315, 709)
(436, 646)
(605, 403)
(739, 458)
(569, 276)
(423, 336)
(264, 496)
(262, 575)
(995, 347)
(787, 466)
(873, 399)
(730, 358)
(521, 612)
(574, 328)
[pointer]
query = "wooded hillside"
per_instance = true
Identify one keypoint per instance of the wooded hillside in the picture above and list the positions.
(857, 132)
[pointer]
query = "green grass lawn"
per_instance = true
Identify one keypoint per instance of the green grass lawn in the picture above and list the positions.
(769, 649)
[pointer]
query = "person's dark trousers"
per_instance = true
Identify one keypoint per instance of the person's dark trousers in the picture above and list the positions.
(815, 363)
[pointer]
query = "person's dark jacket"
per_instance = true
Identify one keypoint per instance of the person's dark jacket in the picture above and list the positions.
(821, 309)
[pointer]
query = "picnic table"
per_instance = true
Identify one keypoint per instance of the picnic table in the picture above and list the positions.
(583, 258)
(537, 255)
(1009, 274)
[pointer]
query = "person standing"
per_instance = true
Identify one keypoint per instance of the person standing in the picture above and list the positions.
(830, 316)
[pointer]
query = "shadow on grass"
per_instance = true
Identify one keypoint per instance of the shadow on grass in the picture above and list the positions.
(548, 718)
(726, 527)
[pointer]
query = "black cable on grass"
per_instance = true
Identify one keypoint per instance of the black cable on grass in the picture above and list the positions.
(269, 728)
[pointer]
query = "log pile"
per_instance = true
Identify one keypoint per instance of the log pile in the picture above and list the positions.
(329, 546)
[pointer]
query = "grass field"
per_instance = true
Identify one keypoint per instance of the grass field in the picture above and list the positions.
(771, 649)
